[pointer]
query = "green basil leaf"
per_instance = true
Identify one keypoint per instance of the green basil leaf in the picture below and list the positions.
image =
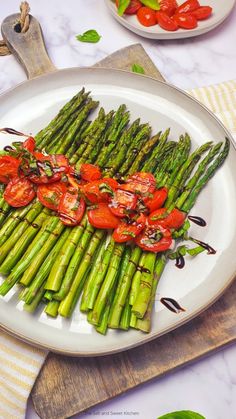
(136, 68)
(153, 4)
(89, 36)
(183, 414)
(123, 4)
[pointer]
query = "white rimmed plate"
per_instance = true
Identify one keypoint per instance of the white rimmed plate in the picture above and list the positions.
(31, 105)
(221, 11)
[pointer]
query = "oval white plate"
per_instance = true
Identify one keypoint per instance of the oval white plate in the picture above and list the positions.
(31, 105)
(221, 9)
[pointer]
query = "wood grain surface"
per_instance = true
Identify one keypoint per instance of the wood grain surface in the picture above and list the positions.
(67, 386)
(28, 47)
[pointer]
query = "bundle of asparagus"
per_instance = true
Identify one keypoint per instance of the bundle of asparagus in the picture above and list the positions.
(55, 264)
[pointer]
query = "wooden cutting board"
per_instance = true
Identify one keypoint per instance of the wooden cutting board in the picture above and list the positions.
(67, 386)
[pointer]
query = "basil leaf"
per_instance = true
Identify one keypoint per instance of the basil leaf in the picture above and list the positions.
(183, 414)
(123, 4)
(89, 36)
(153, 4)
(136, 68)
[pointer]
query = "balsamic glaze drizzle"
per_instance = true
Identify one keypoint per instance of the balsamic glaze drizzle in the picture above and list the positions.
(172, 305)
(210, 250)
(180, 262)
(12, 131)
(197, 220)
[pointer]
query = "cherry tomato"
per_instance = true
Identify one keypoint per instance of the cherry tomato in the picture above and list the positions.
(154, 239)
(185, 21)
(128, 231)
(50, 167)
(50, 194)
(71, 207)
(89, 172)
(102, 217)
(100, 190)
(19, 192)
(203, 12)
(122, 201)
(141, 183)
(157, 200)
(166, 22)
(174, 219)
(168, 7)
(188, 6)
(132, 8)
(8, 168)
(29, 144)
(146, 16)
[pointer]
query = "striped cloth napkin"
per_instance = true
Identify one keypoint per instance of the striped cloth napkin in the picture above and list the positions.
(20, 362)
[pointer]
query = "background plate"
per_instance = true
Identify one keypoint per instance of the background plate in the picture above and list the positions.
(221, 9)
(31, 105)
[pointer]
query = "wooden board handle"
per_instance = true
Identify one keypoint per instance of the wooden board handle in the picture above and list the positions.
(29, 47)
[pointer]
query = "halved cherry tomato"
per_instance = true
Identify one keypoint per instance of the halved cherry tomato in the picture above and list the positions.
(146, 16)
(188, 6)
(89, 172)
(185, 21)
(19, 192)
(121, 202)
(102, 217)
(128, 231)
(157, 200)
(141, 183)
(71, 207)
(203, 12)
(50, 167)
(100, 190)
(154, 239)
(168, 7)
(50, 194)
(166, 22)
(8, 168)
(132, 8)
(174, 219)
(29, 144)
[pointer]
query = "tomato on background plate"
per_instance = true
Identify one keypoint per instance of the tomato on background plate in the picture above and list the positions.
(166, 22)
(203, 12)
(19, 192)
(168, 7)
(185, 21)
(132, 8)
(188, 6)
(146, 16)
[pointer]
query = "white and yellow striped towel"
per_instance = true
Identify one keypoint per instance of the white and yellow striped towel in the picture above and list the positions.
(20, 363)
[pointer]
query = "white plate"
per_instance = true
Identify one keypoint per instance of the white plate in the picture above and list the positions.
(31, 105)
(221, 9)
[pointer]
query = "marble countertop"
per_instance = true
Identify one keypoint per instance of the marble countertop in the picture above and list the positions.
(208, 386)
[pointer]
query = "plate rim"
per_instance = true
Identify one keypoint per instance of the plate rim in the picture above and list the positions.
(145, 338)
(166, 35)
